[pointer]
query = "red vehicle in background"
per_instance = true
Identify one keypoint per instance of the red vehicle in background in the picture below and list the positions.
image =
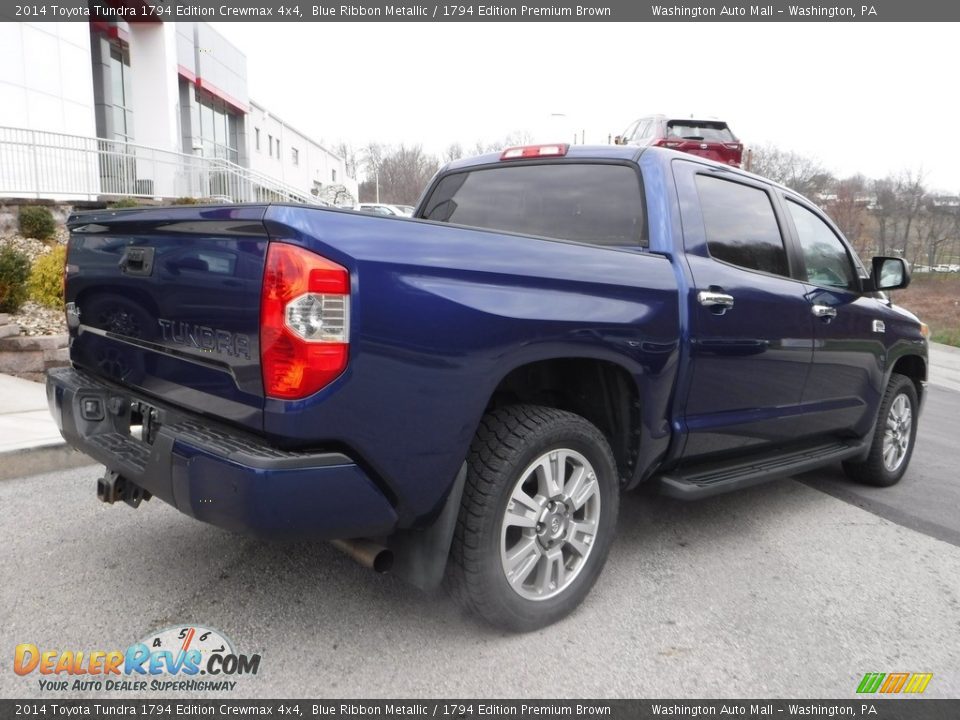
(711, 139)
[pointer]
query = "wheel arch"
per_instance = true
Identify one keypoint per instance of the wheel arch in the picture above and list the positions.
(914, 367)
(602, 391)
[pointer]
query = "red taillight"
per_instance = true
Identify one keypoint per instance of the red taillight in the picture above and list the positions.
(304, 321)
(663, 142)
(535, 151)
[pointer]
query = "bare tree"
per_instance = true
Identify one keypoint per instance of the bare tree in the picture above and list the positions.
(885, 208)
(899, 200)
(798, 172)
(911, 195)
(847, 208)
(349, 155)
(936, 228)
(337, 195)
(514, 139)
(396, 175)
(453, 152)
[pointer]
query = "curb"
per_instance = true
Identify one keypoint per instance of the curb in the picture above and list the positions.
(43, 459)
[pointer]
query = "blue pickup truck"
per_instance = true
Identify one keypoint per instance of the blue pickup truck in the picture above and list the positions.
(466, 393)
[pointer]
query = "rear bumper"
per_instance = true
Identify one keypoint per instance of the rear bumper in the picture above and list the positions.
(216, 474)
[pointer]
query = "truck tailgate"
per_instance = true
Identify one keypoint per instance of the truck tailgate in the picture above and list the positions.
(167, 301)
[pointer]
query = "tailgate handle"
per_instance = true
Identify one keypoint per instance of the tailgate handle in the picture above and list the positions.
(137, 260)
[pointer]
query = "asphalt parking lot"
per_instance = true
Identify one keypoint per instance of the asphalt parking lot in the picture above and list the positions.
(789, 589)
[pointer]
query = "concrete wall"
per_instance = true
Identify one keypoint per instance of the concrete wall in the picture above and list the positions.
(153, 62)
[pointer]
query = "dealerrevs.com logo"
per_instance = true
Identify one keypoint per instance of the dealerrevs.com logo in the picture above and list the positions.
(181, 658)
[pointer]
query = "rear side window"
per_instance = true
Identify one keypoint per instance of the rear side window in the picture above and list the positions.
(586, 203)
(740, 225)
(707, 131)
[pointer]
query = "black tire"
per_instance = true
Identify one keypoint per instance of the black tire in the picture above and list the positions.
(507, 442)
(873, 470)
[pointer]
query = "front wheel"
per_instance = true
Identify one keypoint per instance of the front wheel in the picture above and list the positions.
(537, 518)
(893, 438)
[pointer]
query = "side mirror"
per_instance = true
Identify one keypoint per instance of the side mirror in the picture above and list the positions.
(889, 273)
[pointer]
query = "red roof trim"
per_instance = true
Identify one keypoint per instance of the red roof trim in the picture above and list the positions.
(185, 73)
(217, 92)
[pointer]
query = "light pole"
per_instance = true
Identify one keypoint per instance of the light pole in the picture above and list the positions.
(556, 120)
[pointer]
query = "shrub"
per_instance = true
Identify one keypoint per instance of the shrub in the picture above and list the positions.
(185, 201)
(46, 277)
(14, 271)
(126, 203)
(37, 222)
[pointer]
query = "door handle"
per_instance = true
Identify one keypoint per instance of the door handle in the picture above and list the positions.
(715, 299)
(824, 311)
(137, 261)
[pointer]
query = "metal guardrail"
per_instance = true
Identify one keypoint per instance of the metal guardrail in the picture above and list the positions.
(36, 163)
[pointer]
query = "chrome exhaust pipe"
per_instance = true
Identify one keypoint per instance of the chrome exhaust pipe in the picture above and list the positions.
(371, 555)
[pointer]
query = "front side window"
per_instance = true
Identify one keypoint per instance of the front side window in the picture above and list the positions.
(595, 204)
(741, 226)
(824, 255)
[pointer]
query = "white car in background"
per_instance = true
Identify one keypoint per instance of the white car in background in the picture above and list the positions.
(384, 209)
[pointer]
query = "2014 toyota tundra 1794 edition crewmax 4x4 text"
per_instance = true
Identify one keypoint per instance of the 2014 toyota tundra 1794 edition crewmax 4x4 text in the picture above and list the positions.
(467, 392)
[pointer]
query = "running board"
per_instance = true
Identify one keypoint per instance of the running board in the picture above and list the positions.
(704, 481)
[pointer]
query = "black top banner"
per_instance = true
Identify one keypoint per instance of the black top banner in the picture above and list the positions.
(467, 11)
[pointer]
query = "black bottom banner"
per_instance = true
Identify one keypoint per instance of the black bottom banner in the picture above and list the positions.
(866, 709)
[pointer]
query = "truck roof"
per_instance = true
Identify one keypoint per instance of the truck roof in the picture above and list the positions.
(585, 152)
(610, 152)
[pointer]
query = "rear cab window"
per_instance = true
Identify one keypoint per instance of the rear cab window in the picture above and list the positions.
(582, 202)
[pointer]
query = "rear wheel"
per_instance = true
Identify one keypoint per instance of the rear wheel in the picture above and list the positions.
(893, 438)
(537, 519)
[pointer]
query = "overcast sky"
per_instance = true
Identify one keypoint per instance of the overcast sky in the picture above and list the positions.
(870, 98)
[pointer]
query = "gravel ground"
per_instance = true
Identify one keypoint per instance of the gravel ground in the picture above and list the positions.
(35, 319)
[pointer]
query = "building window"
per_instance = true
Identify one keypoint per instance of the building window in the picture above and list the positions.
(256, 133)
(295, 156)
(333, 175)
(216, 128)
(278, 148)
(270, 141)
(120, 96)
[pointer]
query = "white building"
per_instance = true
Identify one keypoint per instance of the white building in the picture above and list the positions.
(278, 149)
(146, 109)
(45, 77)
